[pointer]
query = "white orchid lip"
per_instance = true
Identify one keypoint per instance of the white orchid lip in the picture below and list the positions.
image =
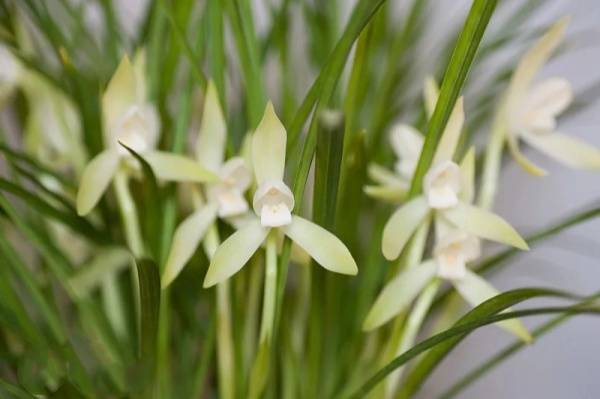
(137, 128)
(442, 184)
(406, 142)
(228, 193)
(274, 202)
(453, 252)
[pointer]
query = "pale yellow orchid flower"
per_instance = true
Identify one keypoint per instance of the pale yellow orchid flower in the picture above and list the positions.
(224, 197)
(273, 204)
(453, 250)
(131, 120)
(531, 110)
(442, 187)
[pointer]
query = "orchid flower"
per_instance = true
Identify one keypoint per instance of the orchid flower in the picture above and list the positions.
(10, 73)
(406, 142)
(443, 185)
(453, 250)
(531, 110)
(130, 119)
(225, 196)
(273, 203)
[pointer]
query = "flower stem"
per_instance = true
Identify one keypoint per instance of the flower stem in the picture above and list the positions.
(493, 160)
(133, 234)
(268, 312)
(225, 359)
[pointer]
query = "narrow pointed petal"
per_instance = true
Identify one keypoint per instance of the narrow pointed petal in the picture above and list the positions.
(235, 252)
(185, 241)
(268, 147)
(384, 176)
(484, 224)
(321, 245)
(120, 93)
(476, 290)
(399, 293)
(526, 164)
(450, 137)
(568, 150)
(531, 63)
(175, 167)
(95, 180)
(393, 194)
(431, 91)
(402, 225)
(210, 146)
(467, 170)
(139, 69)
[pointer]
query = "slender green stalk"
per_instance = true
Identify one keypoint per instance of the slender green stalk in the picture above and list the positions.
(504, 354)
(454, 78)
(268, 312)
(493, 161)
(225, 358)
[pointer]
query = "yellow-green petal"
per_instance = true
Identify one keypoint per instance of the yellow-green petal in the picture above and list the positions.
(467, 170)
(235, 252)
(268, 147)
(476, 290)
(95, 179)
(175, 167)
(522, 160)
(568, 150)
(210, 146)
(484, 224)
(531, 63)
(402, 225)
(120, 93)
(399, 293)
(384, 176)
(431, 91)
(393, 194)
(324, 247)
(185, 241)
(451, 135)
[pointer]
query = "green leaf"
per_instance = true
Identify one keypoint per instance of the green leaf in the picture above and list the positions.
(10, 391)
(506, 353)
(64, 216)
(454, 78)
(149, 283)
(151, 206)
(440, 344)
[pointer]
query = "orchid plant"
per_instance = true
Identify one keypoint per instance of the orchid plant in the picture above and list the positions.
(231, 210)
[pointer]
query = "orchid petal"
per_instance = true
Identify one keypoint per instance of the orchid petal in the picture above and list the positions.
(399, 293)
(321, 245)
(526, 164)
(484, 224)
(431, 92)
(476, 290)
(210, 146)
(235, 252)
(268, 147)
(402, 225)
(185, 241)
(120, 93)
(392, 194)
(467, 170)
(175, 167)
(95, 179)
(551, 96)
(565, 149)
(384, 176)
(451, 135)
(139, 69)
(531, 63)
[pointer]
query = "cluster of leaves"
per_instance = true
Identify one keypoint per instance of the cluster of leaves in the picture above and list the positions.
(79, 317)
